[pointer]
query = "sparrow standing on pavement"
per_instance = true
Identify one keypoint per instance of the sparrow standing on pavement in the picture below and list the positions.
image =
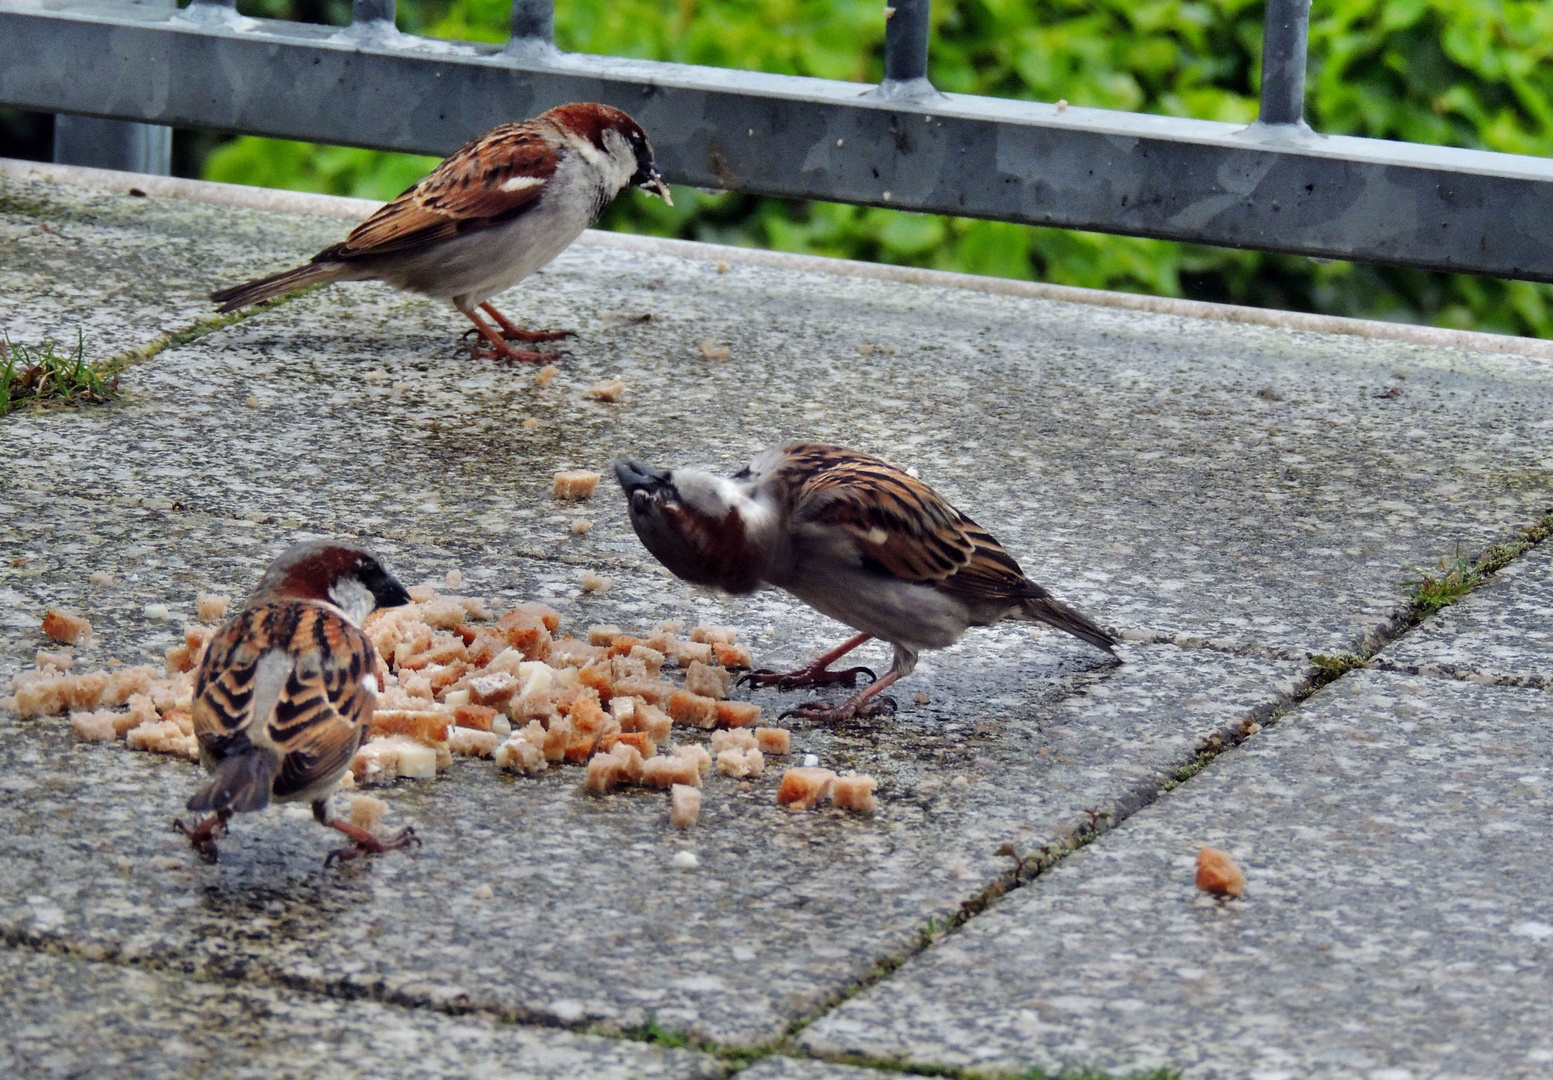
(284, 697)
(495, 211)
(852, 537)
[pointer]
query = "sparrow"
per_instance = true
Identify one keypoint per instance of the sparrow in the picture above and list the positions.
(495, 211)
(284, 696)
(854, 538)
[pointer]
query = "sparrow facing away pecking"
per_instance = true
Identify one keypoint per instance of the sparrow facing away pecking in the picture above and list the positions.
(852, 537)
(284, 696)
(495, 211)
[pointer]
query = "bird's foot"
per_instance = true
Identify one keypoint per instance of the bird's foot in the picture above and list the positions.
(807, 676)
(517, 333)
(831, 714)
(204, 835)
(368, 843)
(483, 351)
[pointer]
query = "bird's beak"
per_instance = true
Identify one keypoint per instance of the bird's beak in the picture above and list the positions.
(654, 185)
(633, 475)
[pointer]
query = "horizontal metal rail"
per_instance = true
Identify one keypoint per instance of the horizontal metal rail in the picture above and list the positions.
(1270, 186)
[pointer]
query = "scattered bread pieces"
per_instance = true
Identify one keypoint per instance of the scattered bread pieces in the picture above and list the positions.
(577, 484)
(737, 714)
(710, 350)
(772, 740)
(608, 390)
(592, 582)
(581, 526)
(855, 791)
(684, 805)
(546, 375)
(210, 607)
(65, 628)
(805, 788)
(737, 738)
(693, 709)
(740, 764)
(1218, 874)
(708, 681)
(366, 811)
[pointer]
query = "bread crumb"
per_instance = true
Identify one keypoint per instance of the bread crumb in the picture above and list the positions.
(482, 892)
(471, 742)
(94, 726)
(741, 763)
(101, 577)
(65, 628)
(1218, 874)
(686, 860)
(772, 740)
(530, 422)
(253, 402)
(737, 714)
(1062, 104)
(576, 484)
(804, 788)
(708, 681)
(855, 791)
(921, 699)
(693, 709)
(710, 634)
(592, 582)
(811, 761)
(734, 739)
(211, 607)
(722, 267)
(366, 811)
(376, 375)
(710, 350)
(731, 655)
(454, 578)
(57, 661)
(546, 375)
(684, 809)
(580, 526)
(157, 611)
(608, 390)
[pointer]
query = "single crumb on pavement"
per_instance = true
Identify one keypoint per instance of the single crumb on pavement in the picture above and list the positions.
(710, 350)
(607, 390)
(1217, 873)
(575, 484)
(65, 628)
(546, 375)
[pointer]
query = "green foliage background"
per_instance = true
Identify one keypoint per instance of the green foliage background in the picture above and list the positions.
(1472, 73)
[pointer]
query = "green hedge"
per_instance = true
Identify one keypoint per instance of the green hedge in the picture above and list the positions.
(1474, 73)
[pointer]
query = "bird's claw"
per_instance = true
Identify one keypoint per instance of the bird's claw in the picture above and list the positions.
(203, 835)
(507, 352)
(532, 336)
(793, 680)
(375, 846)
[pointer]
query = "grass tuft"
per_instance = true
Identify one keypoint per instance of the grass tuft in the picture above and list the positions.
(46, 378)
(1435, 589)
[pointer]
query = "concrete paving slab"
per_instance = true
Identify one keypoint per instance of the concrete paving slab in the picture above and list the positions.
(1397, 920)
(122, 271)
(779, 1067)
(590, 922)
(1502, 633)
(66, 1017)
(1255, 487)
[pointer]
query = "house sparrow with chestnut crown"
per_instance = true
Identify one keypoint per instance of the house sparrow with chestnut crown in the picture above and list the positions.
(495, 211)
(852, 537)
(284, 696)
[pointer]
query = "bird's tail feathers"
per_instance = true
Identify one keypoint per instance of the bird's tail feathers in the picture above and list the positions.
(252, 292)
(1054, 612)
(242, 783)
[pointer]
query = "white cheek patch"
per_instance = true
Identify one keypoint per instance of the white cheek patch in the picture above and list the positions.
(877, 535)
(369, 684)
(521, 183)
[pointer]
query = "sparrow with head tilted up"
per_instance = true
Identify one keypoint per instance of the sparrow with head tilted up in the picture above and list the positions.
(852, 537)
(495, 211)
(284, 696)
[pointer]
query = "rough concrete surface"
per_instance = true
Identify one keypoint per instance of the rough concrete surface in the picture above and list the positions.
(1396, 922)
(67, 1017)
(1501, 633)
(1231, 498)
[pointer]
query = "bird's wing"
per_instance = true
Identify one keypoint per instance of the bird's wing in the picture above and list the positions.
(492, 179)
(288, 677)
(900, 524)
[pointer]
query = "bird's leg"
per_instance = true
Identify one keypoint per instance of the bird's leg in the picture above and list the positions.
(366, 842)
(204, 835)
(864, 703)
(513, 332)
(500, 349)
(815, 674)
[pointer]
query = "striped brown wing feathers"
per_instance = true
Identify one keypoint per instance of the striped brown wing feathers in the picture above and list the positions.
(901, 524)
(226, 685)
(492, 179)
(323, 712)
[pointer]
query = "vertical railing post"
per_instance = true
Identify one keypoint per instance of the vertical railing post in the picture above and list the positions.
(114, 144)
(533, 27)
(1285, 36)
(907, 26)
(372, 12)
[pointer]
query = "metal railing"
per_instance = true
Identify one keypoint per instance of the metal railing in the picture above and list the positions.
(1274, 185)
